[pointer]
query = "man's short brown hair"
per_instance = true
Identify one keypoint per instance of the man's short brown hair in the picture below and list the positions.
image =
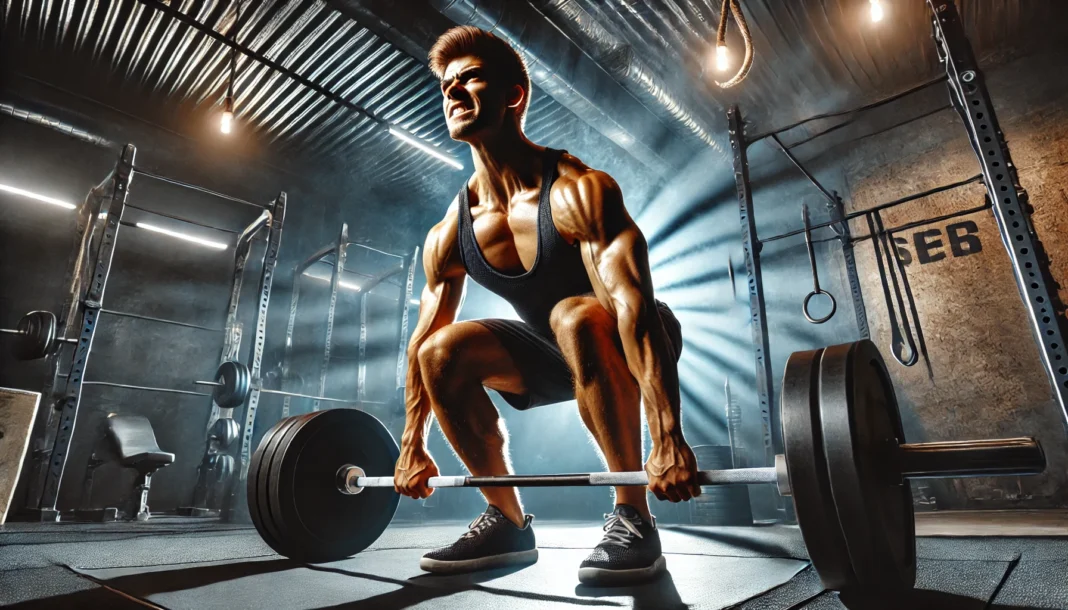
(496, 53)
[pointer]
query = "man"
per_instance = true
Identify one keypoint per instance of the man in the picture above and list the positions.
(553, 238)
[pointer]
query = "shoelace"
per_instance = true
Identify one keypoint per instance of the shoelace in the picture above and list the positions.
(480, 523)
(619, 530)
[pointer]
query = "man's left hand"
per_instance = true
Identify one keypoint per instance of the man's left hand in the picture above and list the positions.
(672, 470)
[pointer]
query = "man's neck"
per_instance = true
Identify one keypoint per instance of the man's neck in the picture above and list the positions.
(505, 165)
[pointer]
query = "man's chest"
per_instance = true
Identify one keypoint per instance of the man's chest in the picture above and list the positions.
(508, 235)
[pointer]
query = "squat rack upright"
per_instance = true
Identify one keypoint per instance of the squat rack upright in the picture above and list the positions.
(1007, 199)
(89, 269)
(339, 248)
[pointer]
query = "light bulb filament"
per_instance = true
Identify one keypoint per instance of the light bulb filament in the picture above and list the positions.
(723, 59)
(877, 12)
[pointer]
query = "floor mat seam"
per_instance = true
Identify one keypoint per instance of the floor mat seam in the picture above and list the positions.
(1004, 579)
(177, 563)
(144, 602)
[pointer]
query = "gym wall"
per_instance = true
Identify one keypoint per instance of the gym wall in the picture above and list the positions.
(155, 275)
(986, 376)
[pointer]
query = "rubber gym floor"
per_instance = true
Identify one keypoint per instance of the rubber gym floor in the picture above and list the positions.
(998, 561)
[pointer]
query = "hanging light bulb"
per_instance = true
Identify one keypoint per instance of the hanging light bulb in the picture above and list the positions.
(227, 122)
(876, 11)
(723, 59)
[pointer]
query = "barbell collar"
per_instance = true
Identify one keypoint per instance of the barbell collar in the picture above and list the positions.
(974, 458)
(737, 476)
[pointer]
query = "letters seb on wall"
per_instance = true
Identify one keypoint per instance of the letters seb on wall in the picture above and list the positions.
(930, 245)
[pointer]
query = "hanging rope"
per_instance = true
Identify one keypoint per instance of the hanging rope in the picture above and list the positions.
(721, 40)
(233, 50)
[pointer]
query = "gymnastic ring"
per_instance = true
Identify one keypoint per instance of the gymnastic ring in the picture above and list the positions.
(808, 316)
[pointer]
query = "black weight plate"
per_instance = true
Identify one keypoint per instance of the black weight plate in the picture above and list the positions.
(810, 485)
(234, 378)
(258, 476)
(317, 522)
(272, 456)
(37, 334)
(861, 427)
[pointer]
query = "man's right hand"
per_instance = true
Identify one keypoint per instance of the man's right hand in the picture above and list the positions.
(413, 472)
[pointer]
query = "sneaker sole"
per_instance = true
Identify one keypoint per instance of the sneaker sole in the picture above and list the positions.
(439, 566)
(615, 578)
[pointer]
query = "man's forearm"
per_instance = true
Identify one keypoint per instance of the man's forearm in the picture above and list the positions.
(651, 363)
(416, 406)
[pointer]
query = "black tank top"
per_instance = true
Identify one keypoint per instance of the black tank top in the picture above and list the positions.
(558, 271)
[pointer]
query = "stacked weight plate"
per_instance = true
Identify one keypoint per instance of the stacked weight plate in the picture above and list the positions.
(722, 504)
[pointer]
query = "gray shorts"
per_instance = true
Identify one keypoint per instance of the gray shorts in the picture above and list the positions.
(543, 368)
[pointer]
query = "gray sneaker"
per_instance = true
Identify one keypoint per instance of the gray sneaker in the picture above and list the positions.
(628, 554)
(491, 541)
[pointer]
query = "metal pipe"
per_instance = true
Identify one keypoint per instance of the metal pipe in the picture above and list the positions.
(200, 189)
(125, 314)
(875, 104)
(299, 395)
(880, 207)
(144, 388)
(628, 68)
(778, 143)
(870, 106)
(36, 118)
(180, 219)
(976, 458)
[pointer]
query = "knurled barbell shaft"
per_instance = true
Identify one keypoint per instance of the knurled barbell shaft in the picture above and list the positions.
(737, 476)
(974, 458)
(299, 395)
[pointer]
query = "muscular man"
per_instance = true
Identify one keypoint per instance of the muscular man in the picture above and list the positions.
(553, 238)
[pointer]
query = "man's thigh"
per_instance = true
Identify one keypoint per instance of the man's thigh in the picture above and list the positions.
(544, 374)
(481, 354)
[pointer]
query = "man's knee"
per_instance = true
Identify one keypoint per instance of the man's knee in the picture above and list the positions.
(441, 355)
(582, 319)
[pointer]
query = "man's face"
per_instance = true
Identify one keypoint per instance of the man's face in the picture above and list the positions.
(473, 104)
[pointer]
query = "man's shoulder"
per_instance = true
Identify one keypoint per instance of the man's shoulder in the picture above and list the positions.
(578, 183)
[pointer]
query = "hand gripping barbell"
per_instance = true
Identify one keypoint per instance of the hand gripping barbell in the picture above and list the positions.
(319, 485)
(36, 335)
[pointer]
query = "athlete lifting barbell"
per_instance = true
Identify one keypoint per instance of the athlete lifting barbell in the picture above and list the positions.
(552, 237)
(319, 485)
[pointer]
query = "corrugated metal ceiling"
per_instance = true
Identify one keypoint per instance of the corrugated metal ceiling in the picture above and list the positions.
(811, 56)
(146, 46)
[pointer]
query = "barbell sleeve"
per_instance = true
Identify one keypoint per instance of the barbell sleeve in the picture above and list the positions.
(974, 458)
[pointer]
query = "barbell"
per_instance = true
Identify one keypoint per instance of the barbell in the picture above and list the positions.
(36, 335)
(233, 383)
(319, 485)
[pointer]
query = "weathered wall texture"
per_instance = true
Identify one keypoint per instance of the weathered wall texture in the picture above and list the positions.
(986, 377)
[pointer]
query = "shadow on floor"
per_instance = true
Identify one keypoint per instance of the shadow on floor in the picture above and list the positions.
(93, 599)
(149, 583)
(921, 599)
(426, 587)
(660, 594)
(765, 548)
